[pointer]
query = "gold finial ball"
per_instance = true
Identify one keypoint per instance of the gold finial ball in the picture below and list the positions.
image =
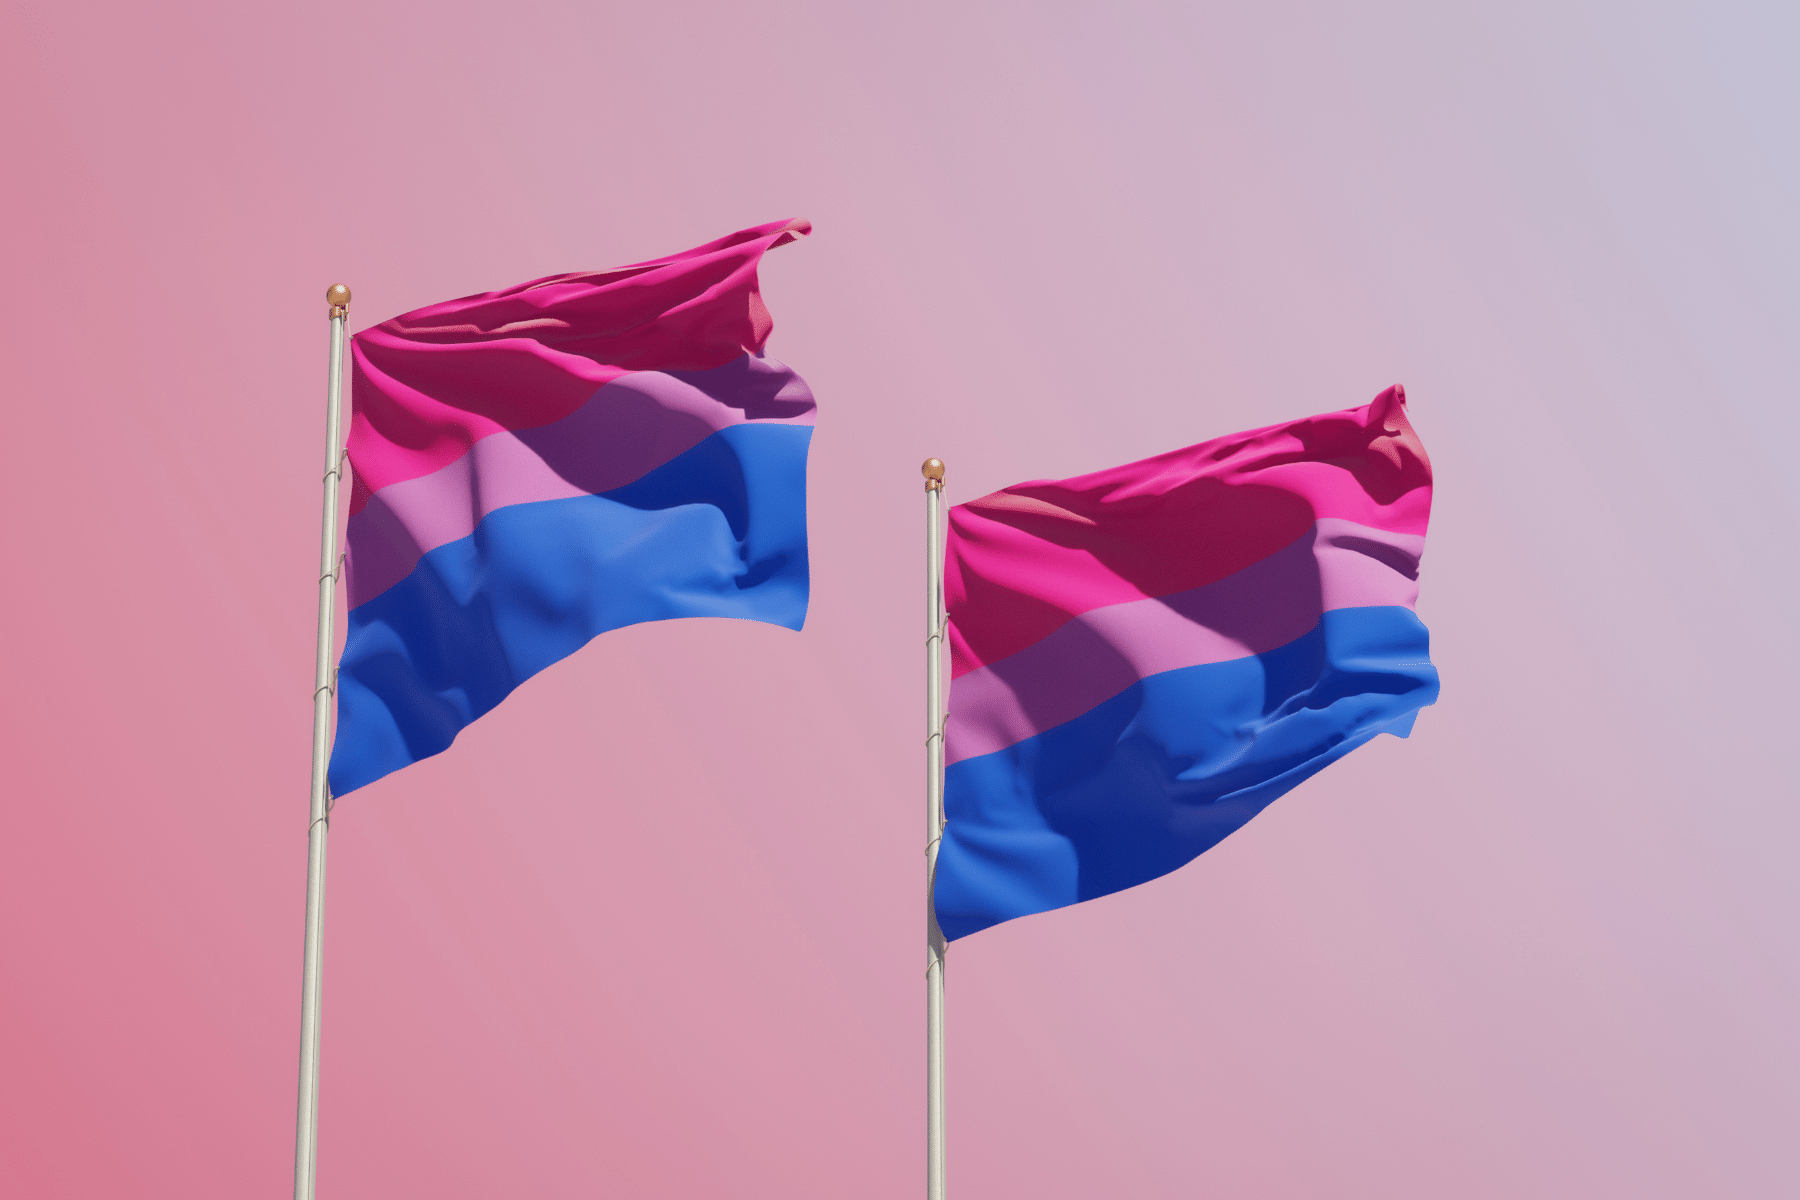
(933, 469)
(337, 295)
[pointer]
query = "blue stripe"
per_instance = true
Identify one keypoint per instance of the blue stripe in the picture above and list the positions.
(1164, 771)
(719, 531)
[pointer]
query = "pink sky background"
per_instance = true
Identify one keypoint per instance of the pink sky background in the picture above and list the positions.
(653, 928)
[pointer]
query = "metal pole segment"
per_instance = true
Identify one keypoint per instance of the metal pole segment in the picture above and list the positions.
(306, 1137)
(934, 827)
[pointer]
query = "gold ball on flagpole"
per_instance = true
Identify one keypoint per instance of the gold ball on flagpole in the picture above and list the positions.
(933, 469)
(338, 296)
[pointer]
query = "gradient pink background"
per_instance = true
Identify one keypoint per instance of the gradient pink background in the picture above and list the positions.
(653, 927)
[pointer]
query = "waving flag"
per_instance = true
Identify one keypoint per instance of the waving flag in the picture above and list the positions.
(539, 465)
(1144, 658)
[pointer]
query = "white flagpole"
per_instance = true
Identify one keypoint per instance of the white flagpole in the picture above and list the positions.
(934, 827)
(306, 1138)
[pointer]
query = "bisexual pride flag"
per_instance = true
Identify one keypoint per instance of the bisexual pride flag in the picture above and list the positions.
(1143, 658)
(539, 465)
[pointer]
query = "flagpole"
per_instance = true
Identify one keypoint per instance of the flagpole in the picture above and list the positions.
(306, 1137)
(934, 826)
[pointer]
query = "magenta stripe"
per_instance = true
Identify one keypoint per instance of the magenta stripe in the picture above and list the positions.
(1097, 655)
(1026, 559)
(630, 426)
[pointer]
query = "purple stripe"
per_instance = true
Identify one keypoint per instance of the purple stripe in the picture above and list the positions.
(1097, 655)
(631, 426)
